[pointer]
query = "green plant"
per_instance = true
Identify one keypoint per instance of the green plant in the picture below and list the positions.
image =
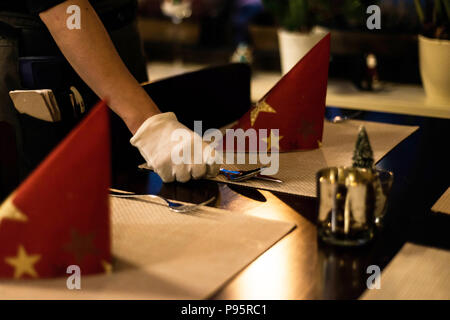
(435, 17)
(292, 15)
(302, 15)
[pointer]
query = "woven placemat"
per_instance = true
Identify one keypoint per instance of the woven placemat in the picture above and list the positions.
(298, 170)
(443, 204)
(160, 254)
(416, 272)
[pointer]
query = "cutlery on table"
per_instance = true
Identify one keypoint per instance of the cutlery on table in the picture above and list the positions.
(174, 206)
(237, 175)
(241, 175)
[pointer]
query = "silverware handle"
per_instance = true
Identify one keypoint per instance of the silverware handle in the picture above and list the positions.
(268, 178)
(225, 171)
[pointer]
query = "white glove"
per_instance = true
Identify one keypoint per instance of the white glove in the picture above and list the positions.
(157, 145)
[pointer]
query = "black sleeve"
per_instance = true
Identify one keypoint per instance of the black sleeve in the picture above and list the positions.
(37, 6)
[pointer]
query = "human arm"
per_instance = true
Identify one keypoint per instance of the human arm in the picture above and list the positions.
(93, 56)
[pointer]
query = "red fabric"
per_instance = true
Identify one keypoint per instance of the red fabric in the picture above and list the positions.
(299, 101)
(65, 198)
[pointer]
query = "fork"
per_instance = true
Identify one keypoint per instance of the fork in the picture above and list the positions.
(241, 175)
(174, 206)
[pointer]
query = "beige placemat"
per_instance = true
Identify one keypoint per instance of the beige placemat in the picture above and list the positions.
(443, 204)
(165, 255)
(416, 272)
(298, 169)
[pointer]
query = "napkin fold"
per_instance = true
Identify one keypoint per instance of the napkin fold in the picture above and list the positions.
(59, 216)
(295, 107)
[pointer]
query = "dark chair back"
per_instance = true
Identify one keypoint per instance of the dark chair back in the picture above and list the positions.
(216, 95)
(9, 172)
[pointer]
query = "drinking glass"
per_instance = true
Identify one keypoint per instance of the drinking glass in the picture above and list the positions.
(352, 201)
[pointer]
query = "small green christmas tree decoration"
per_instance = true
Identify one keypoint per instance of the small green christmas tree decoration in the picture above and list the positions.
(363, 154)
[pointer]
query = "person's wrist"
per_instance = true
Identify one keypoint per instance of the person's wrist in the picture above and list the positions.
(136, 121)
(135, 110)
(136, 117)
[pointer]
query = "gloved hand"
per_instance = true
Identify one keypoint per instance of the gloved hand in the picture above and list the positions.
(157, 145)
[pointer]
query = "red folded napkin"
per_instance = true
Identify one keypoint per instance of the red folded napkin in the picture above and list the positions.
(59, 216)
(295, 106)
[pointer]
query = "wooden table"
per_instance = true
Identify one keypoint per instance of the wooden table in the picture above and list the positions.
(299, 267)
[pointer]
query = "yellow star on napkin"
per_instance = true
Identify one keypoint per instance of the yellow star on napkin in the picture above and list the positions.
(319, 143)
(262, 106)
(23, 263)
(107, 267)
(269, 140)
(9, 211)
(80, 245)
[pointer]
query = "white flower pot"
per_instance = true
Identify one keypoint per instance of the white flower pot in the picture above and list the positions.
(294, 45)
(434, 56)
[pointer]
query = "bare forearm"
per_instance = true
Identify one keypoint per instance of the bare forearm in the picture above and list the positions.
(91, 53)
